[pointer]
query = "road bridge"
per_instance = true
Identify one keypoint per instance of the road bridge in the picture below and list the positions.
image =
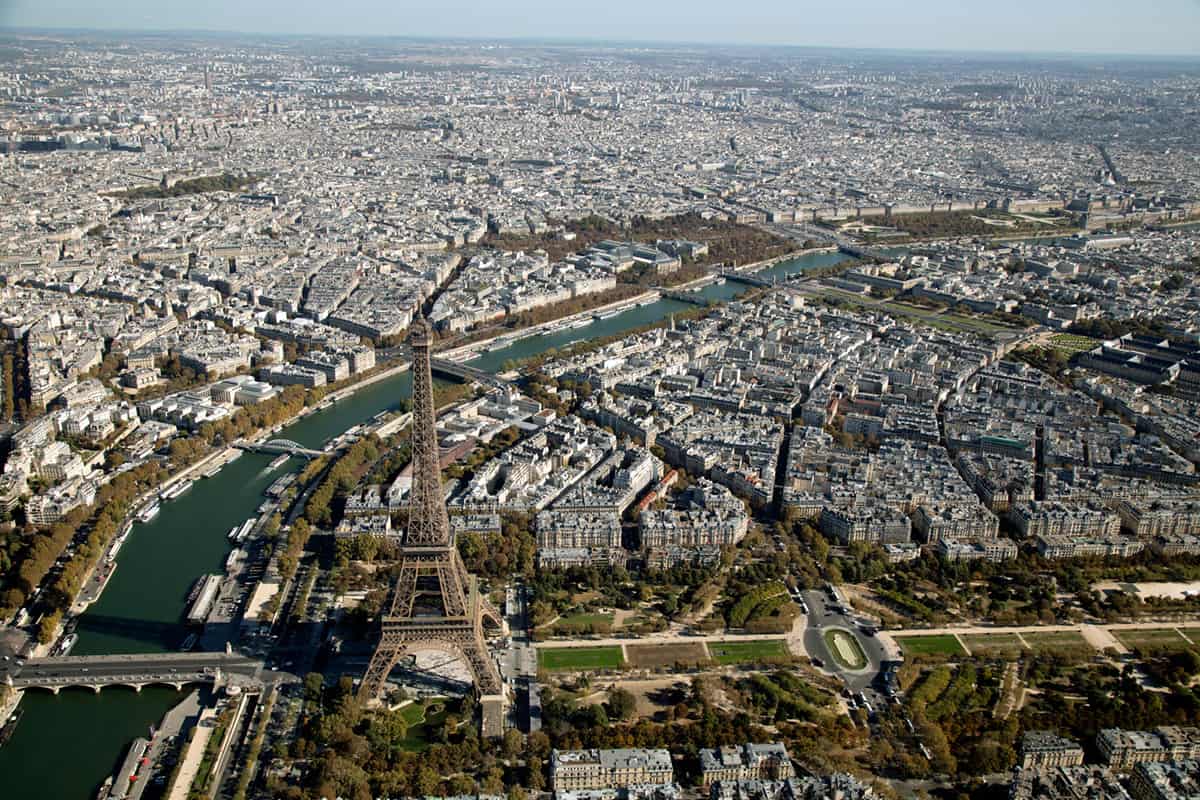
(462, 372)
(857, 250)
(135, 670)
(281, 446)
(748, 278)
(695, 298)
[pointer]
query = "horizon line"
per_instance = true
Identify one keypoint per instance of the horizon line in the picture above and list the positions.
(584, 40)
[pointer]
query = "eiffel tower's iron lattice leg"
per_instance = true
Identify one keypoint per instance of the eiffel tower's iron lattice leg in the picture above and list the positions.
(404, 593)
(382, 662)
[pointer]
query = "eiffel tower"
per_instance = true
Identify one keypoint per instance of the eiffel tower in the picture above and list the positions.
(435, 604)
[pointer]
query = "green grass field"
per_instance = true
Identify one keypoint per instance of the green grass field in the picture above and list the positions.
(900, 307)
(940, 644)
(1152, 639)
(950, 322)
(741, 652)
(585, 619)
(978, 324)
(1052, 640)
(904, 307)
(1069, 344)
(849, 297)
(845, 649)
(413, 713)
(422, 721)
(649, 656)
(1006, 645)
(570, 658)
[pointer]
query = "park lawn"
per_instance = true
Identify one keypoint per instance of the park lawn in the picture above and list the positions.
(1055, 640)
(953, 323)
(849, 297)
(1006, 645)
(959, 324)
(741, 652)
(1070, 343)
(422, 720)
(648, 656)
(1152, 639)
(585, 619)
(939, 644)
(898, 307)
(570, 658)
(910, 308)
(634, 621)
(948, 321)
(979, 324)
(845, 649)
(413, 713)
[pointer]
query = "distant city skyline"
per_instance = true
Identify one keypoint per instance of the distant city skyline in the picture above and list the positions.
(1076, 26)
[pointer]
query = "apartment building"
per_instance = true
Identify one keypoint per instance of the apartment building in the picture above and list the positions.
(1052, 518)
(1175, 780)
(744, 763)
(1041, 749)
(1122, 749)
(608, 769)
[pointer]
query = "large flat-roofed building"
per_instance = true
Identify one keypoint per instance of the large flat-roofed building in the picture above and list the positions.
(1041, 749)
(961, 522)
(609, 769)
(748, 762)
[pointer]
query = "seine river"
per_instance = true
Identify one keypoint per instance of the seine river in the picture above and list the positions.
(66, 744)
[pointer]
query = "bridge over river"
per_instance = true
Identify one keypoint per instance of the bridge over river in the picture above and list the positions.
(281, 447)
(136, 670)
(462, 372)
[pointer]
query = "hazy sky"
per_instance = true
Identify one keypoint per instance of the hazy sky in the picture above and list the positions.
(1106, 26)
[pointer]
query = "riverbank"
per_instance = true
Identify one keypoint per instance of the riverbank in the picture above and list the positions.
(466, 351)
(95, 582)
(463, 352)
(9, 706)
(349, 391)
(759, 266)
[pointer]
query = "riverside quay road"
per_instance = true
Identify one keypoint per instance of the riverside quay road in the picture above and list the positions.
(143, 606)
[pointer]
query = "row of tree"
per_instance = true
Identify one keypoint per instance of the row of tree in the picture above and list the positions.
(103, 519)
